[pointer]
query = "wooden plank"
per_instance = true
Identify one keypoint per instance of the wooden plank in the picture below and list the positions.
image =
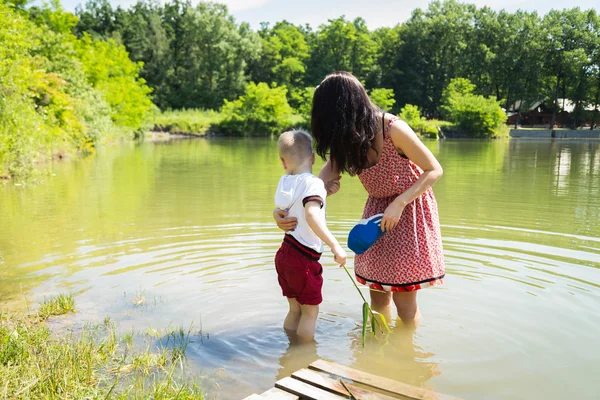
(378, 382)
(304, 390)
(278, 394)
(254, 397)
(325, 382)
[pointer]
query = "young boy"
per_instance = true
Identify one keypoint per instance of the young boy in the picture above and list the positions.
(297, 262)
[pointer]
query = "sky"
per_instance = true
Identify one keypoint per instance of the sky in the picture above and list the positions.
(377, 13)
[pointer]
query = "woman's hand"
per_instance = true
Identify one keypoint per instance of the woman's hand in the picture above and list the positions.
(283, 223)
(392, 214)
(333, 186)
(331, 177)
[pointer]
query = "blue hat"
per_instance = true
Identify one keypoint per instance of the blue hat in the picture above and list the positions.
(365, 234)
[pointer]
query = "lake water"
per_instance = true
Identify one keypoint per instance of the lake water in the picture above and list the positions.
(187, 226)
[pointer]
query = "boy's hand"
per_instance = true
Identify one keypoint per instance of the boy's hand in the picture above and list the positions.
(339, 255)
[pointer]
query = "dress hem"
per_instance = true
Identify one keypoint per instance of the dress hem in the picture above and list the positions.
(404, 287)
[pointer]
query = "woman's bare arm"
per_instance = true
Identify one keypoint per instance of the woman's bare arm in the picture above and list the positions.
(284, 223)
(407, 141)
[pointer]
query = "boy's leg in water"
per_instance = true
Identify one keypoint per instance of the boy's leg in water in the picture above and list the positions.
(292, 319)
(308, 319)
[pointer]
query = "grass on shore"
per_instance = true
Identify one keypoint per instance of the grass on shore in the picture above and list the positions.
(92, 363)
(59, 305)
(191, 122)
(503, 131)
(200, 122)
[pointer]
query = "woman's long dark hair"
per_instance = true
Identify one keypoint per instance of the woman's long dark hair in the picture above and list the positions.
(344, 122)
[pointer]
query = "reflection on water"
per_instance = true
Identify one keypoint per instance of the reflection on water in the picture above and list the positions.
(187, 227)
(412, 364)
(297, 355)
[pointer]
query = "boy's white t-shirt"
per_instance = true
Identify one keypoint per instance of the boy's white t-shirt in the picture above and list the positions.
(293, 192)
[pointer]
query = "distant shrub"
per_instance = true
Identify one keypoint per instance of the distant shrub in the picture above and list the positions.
(475, 115)
(411, 114)
(429, 128)
(260, 111)
(383, 98)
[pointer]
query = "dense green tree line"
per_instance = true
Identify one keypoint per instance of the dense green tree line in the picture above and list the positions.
(60, 94)
(197, 56)
(193, 57)
(71, 81)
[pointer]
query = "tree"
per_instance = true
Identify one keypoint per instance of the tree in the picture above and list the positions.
(97, 18)
(197, 56)
(301, 101)
(566, 60)
(595, 69)
(432, 52)
(284, 55)
(526, 80)
(210, 54)
(192, 56)
(387, 41)
(342, 45)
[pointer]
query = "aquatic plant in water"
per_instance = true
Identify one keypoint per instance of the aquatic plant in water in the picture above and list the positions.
(366, 312)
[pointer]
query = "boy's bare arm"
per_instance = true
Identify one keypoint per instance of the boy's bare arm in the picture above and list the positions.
(312, 211)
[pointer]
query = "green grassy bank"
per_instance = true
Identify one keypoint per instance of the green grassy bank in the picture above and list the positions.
(91, 363)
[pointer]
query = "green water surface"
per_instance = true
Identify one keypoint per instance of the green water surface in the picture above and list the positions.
(187, 226)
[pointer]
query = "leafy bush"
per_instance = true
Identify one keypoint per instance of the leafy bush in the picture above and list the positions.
(110, 71)
(36, 115)
(383, 98)
(430, 128)
(260, 111)
(475, 115)
(59, 94)
(411, 114)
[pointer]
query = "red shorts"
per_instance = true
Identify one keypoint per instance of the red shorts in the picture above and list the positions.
(299, 272)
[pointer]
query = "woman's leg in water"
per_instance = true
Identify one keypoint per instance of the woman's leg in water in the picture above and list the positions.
(406, 305)
(382, 303)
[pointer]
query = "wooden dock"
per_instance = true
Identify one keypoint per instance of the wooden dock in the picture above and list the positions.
(323, 380)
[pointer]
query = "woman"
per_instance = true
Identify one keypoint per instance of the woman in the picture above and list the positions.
(397, 170)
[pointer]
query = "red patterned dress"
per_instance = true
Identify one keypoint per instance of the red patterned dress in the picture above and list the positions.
(409, 257)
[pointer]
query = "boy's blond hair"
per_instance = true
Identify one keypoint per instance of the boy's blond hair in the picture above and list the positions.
(295, 146)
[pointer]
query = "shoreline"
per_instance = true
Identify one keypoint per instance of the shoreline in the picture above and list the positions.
(554, 134)
(44, 356)
(160, 136)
